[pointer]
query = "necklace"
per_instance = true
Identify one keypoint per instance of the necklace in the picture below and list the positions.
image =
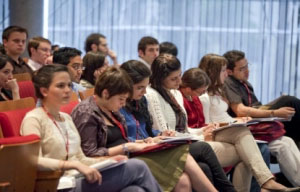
(64, 136)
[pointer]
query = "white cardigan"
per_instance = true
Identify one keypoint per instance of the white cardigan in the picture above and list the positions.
(52, 149)
(163, 116)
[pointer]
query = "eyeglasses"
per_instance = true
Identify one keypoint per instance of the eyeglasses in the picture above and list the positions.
(45, 50)
(244, 68)
(78, 67)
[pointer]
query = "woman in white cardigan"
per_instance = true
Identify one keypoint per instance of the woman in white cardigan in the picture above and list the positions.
(166, 108)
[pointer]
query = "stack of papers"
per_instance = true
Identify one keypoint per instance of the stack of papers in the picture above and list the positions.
(66, 182)
(178, 139)
(250, 122)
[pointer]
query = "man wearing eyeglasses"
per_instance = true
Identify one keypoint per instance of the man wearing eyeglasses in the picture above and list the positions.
(14, 42)
(39, 49)
(243, 101)
(71, 57)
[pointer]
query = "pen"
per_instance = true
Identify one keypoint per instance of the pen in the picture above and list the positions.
(248, 114)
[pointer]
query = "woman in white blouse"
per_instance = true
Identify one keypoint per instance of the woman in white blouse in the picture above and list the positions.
(215, 107)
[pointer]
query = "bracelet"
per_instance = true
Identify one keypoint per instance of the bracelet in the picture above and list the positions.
(125, 149)
(63, 165)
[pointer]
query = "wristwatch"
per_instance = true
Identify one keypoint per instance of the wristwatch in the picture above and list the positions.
(125, 149)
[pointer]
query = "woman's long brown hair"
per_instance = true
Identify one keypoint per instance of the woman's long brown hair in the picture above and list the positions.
(213, 67)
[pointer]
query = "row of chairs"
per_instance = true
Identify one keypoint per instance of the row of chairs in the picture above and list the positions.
(18, 154)
(26, 89)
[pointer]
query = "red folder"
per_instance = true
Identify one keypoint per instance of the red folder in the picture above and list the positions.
(160, 147)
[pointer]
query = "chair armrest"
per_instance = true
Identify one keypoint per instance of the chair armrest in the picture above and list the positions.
(47, 181)
(4, 186)
(45, 175)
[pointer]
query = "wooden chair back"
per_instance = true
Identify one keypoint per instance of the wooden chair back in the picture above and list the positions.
(18, 163)
(22, 77)
(47, 181)
(84, 94)
(74, 97)
(17, 104)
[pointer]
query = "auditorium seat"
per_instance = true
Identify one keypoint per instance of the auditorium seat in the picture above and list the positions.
(84, 94)
(26, 89)
(22, 77)
(18, 162)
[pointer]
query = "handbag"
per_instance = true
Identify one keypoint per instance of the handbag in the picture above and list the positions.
(267, 131)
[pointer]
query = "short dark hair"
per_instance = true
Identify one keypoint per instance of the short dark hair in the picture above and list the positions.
(3, 61)
(64, 55)
(9, 30)
(53, 47)
(92, 62)
(44, 76)
(136, 70)
(35, 43)
(195, 78)
(142, 45)
(168, 47)
(93, 38)
(232, 57)
(115, 80)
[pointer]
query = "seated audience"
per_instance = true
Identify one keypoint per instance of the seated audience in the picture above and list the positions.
(97, 42)
(197, 116)
(215, 110)
(9, 89)
(104, 132)
(139, 125)
(14, 42)
(60, 142)
(71, 57)
(166, 108)
(39, 49)
(243, 101)
(94, 64)
(195, 83)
